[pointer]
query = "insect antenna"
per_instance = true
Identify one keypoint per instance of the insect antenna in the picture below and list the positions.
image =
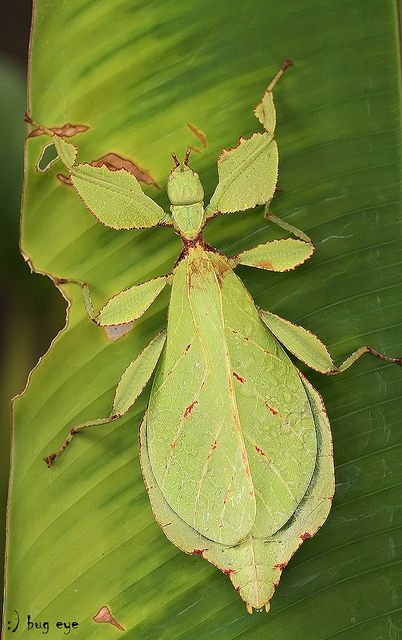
(187, 156)
(175, 160)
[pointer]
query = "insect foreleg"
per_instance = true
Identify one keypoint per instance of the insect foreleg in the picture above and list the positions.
(285, 65)
(285, 225)
(129, 387)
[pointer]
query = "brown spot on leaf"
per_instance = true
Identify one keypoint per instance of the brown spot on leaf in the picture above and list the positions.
(191, 148)
(66, 131)
(265, 264)
(105, 615)
(214, 445)
(239, 378)
(281, 566)
(228, 572)
(189, 409)
(187, 348)
(64, 179)
(201, 137)
(116, 331)
(114, 162)
(305, 536)
(173, 445)
(198, 552)
(260, 451)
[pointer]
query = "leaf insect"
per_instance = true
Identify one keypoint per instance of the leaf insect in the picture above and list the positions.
(239, 465)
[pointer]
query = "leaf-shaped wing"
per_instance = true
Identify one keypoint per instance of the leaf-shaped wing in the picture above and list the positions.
(196, 447)
(275, 415)
(247, 175)
(115, 198)
(231, 436)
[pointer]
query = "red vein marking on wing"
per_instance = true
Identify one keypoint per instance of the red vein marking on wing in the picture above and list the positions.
(239, 378)
(189, 408)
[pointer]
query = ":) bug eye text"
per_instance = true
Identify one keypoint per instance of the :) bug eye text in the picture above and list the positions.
(28, 623)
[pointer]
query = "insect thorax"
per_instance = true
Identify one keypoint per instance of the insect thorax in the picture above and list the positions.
(186, 195)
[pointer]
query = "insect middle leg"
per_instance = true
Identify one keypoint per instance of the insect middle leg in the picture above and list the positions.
(129, 387)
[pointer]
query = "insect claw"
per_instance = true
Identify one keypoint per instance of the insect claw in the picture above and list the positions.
(286, 63)
(50, 459)
(175, 160)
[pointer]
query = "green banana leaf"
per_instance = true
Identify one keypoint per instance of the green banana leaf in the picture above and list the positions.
(81, 535)
(24, 332)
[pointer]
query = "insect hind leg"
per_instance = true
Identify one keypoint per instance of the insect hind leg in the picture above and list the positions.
(93, 423)
(357, 354)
